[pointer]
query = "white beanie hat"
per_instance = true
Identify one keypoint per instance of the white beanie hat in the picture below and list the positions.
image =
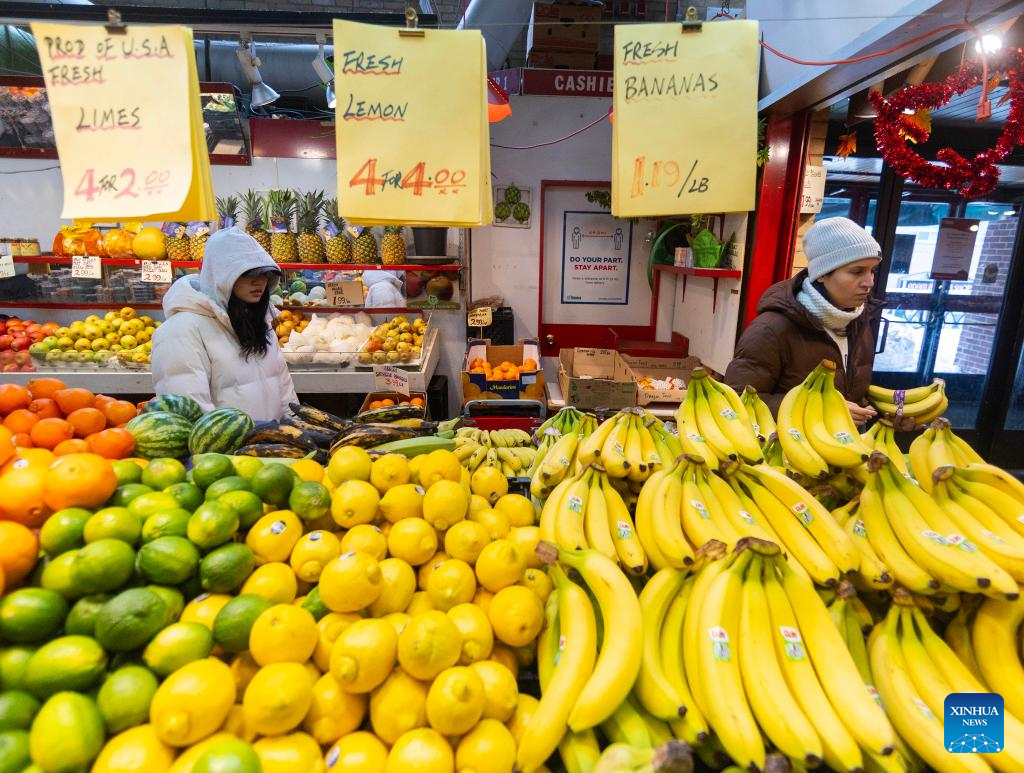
(834, 242)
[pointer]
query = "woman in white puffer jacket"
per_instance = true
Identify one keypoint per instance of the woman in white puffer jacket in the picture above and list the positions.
(218, 345)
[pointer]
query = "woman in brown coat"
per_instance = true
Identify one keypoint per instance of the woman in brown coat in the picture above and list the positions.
(824, 312)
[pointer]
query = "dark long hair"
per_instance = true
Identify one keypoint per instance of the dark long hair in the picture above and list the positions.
(249, 321)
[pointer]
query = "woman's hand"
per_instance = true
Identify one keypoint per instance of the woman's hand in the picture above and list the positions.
(861, 414)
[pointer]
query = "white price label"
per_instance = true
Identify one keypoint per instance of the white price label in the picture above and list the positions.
(86, 267)
(388, 378)
(157, 271)
(6, 267)
(481, 316)
(344, 292)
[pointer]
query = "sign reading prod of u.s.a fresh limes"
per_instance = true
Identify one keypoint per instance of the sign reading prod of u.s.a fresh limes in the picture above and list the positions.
(684, 138)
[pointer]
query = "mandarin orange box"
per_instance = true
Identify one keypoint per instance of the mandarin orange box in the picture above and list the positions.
(476, 386)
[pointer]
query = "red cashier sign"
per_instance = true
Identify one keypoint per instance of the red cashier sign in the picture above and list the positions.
(530, 81)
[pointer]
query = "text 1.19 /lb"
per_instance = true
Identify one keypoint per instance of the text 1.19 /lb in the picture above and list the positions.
(442, 181)
(667, 174)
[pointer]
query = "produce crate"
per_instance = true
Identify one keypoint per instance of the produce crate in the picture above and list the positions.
(398, 397)
(595, 378)
(661, 368)
(529, 385)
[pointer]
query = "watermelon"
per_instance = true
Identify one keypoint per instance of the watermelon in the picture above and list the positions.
(160, 434)
(179, 404)
(220, 432)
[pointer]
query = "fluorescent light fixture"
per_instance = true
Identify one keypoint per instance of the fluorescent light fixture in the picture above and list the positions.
(324, 71)
(1010, 212)
(262, 94)
(988, 44)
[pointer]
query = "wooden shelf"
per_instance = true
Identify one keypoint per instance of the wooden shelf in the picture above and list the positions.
(135, 263)
(711, 273)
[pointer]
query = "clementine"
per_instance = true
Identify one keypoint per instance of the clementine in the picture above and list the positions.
(21, 421)
(43, 387)
(13, 397)
(79, 480)
(45, 408)
(73, 398)
(102, 401)
(86, 421)
(23, 440)
(113, 443)
(74, 446)
(19, 549)
(49, 433)
(29, 456)
(23, 496)
(119, 412)
(7, 447)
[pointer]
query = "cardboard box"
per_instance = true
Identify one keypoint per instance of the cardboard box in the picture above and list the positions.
(397, 397)
(595, 378)
(561, 60)
(661, 368)
(529, 386)
(564, 27)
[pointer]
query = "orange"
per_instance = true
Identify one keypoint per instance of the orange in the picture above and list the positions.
(102, 401)
(19, 549)
(13, 397)
(45, 408)
(119, 412)
(417, 401)
(21, 421)
(86, 421)
(143, 463)
(41, 388)
(21, 440)
(73, 398)
(79, 480)
(7, 447)
(23, 496)
(75, 446)
(24, 457)
(113, 443)
(49, 433)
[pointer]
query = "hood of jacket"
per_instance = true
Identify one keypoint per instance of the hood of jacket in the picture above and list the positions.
(781, 298)
(370, 278)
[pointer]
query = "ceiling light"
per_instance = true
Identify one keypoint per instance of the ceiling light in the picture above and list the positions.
(1010, 212)
(262, 94)
(324, 71)
(988, 44)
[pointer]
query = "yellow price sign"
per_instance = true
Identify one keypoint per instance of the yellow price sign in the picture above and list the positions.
(481, 316)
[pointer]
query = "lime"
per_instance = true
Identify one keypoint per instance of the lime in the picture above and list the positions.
(151, 503)
(188, 495)
(212, 524)
(246, 466)
(248, 506)
(103, 565)
(164, 472)
(128, 492)
(167, 560)
(126, 472)
(207, 468)
(234, 621)
(173, 599)
(314, 605)
(273, 484)
(310, 500)
(30, 615)
(176, 645)
(14, 751)
(17, 708)
(113, 523)
(82, 617)
(229, 756)
(13, 661)
(130, 619)
(63, 531)
(220, 487)
(58, 574)
(66, 734)
(170, 523)
(66, 663)
(124, 698)
(226, 568)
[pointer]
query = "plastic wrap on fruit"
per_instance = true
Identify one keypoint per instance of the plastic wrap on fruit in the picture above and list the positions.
(82, 240)
(117, 243)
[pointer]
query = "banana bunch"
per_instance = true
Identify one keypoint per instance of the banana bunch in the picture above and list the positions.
(760, 413)
(715, 424)
(669, 757)
(938, 447)
(565, 429)
(922, 404)
(586, 510)
(922, 539)
(567, 420)
(995, 635)
(509, 450)
(815, 426)
(881, 437)
(872, 574)
(582, 684)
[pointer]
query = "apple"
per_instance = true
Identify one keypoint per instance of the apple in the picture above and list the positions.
(5, 342)
(6, 356)
(37, 336)
(20, 343)
(23, 358)
(54, 355)
(51, 341)
(38, 349)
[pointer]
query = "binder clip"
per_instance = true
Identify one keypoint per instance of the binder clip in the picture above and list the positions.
(114, 25)
(691, 24)
(412, 29)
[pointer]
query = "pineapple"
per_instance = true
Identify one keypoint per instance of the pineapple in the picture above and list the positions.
(255, 209)
(392, 246)
(197, 240)
(177, 245)
(283, 245)
(339, 246)
(227, 207)
(311, 248)
(364, 248)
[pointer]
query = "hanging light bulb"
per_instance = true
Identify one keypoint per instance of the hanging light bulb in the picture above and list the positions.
(324, 71)
(262, 94)
(988, 44)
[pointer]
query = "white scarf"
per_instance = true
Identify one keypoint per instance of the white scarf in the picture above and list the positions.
(835, 320)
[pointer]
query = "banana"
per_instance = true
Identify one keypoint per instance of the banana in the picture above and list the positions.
(994, 493)
(872, 572)
(732, 419)
(548, 513)
(644, 521)
(940, 451)
(415, 446)
(691, 728)
(761, 416)
(579, 752)
(619, 661)
(624, 758)
(636, 469)
(591, 448)
(838, 422)
(318, 417)
(963, 451)
(890, 448)
(957, 637)
(670, 437)
(613, 452)
(923, 410)
(883, 394)
(595, 519)
(726, 505)
(651, 453)
(662, 454)
(800, 453)
(994, 637)
(691, 441)
(465, 451)
(707, 420)
(512, 460)
(570, 517)
(276, 450)
(997, 541)
(712, 565)
(666, 526)
(276, 432)
(627, 726)
(703, 521)
(653, 689)
(628, 548)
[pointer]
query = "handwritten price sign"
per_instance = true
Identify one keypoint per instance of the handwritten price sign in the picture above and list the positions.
(6, 266)
(415, 181)
(667, 174)
(388, 378)
(86, 267)
(481, 316)
(344, 292)
(157, 271)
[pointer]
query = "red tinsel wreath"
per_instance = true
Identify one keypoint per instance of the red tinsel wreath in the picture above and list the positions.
(974, 177)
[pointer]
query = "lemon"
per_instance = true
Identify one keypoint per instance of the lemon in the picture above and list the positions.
(330, 626)
(477, 636)
(389, 471)
(506, 656)
(192, 702)
(204, 608)
(499, 565)
(176, 645)
(439, 465)
(430, 643)
(308, 470)
(366, 539)
(538, 581)
(414, 468)
(354, 502)
(137, 750)
(420, 602)
(349, 463)
(488, 746)
(465, 540)
(445, 504)
(489, 483)
(358, 753)
(423, 573)
(516, 615)
(312, 553)
(482, 598)
(277, 699)
(274, 535)
(235, 724)
(186, 761)
(501, 694)
(399, 620)
(526, 707)
(274, 581)
(451, 583)
(364, 654)
(243, 669)
(421, 751)
(294, 753)
(526, 539)
(518, 509)
(476, 504)
(397, 706)
(398, 586)
(283, 633)
(403, 501)
(455, 701)
(413, 540)
(351, 582)
(495, 521)
(334, 712)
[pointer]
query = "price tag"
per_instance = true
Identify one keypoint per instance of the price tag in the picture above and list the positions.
(481, 316)
(6, 266)
(388, 378)
(344, 292)
(157, 271)
(86, 267)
